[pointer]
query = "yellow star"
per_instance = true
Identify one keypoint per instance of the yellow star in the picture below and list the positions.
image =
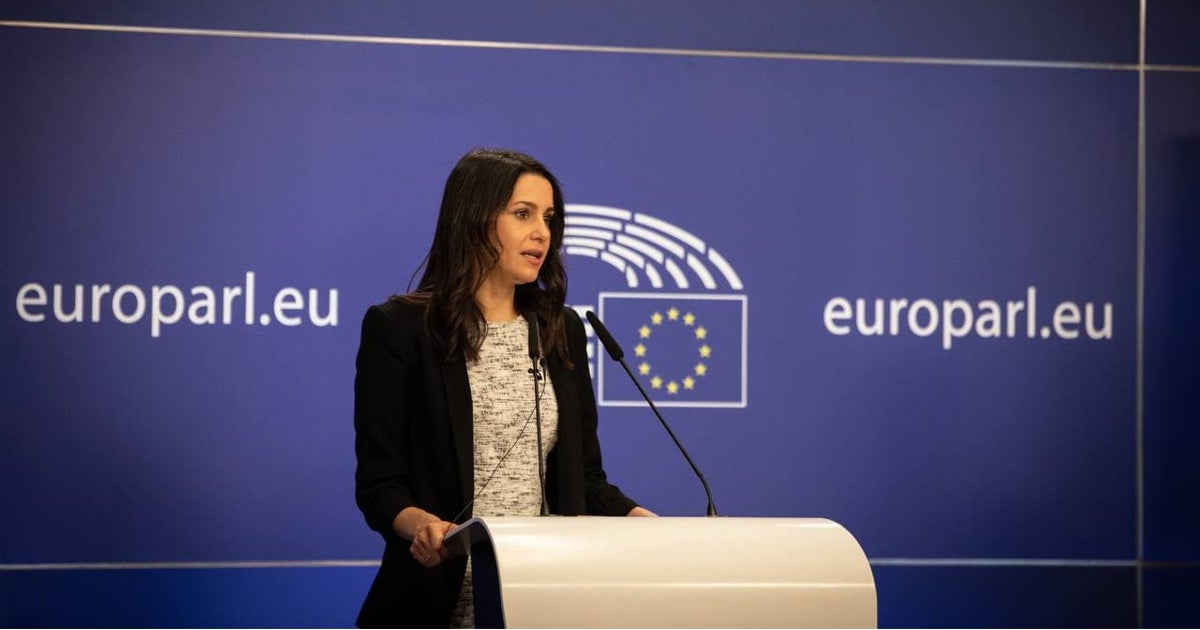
(701, 332)
(643, 368)
(656, 318)
(656, 382)
(672, 387)
(644, 331)
(689, 319)
(639, 350)
(673, 313)
(701, 369)
(705, 351)
(689, 382)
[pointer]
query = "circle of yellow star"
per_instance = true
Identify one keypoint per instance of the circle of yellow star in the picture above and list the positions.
(657, 381)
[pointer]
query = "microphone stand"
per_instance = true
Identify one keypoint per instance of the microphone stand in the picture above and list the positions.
(618, 355)
(537, 407)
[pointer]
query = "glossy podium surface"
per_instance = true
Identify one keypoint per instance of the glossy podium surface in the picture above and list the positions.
(533, 572)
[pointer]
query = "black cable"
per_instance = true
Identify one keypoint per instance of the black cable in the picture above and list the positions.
(498, 464)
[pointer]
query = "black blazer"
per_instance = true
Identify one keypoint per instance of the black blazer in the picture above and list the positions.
(413, 441)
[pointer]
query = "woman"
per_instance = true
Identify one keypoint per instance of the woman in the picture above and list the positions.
(443, 395)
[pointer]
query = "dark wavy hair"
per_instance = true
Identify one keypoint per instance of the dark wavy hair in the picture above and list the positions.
(462, 254)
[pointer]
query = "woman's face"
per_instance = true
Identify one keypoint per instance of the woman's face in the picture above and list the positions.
(522, 232)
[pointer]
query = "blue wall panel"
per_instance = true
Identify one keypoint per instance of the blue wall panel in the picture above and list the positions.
(183, 598)
(1074, 30)
(266, 171)
(1006, 597)
(1171, 597)
(1172, 29)
(1172, 310)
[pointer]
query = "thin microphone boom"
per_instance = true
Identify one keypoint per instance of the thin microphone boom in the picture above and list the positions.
(618, 355)
(534, 355)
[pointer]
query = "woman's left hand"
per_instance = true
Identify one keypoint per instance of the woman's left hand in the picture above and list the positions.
(640, 511)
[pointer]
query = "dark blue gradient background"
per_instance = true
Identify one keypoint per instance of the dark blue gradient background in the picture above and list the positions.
(154, 159)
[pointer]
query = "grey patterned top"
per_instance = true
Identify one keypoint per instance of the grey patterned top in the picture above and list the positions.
(503, 417)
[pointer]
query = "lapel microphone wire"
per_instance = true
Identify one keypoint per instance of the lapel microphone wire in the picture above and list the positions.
(538, 388)
(494, 470)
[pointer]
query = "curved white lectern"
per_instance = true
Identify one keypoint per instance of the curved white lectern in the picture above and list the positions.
(581, 572)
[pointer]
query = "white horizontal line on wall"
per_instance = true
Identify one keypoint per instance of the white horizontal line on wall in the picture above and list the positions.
(309, 564)
(634, 50)
(248, 564)
(998, 562)
(1168, 68)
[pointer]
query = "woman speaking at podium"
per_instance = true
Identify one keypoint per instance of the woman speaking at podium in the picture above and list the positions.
(444, 401)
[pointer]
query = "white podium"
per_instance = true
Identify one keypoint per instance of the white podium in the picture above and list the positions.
(587, 572)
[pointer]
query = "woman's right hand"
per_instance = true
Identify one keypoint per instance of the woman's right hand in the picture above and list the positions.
(426, 532)
(427, 545)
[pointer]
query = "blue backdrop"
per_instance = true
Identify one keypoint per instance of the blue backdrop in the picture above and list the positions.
(928, 271)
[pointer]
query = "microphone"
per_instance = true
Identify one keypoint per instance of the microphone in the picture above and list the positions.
(618, 355)
(534, 356)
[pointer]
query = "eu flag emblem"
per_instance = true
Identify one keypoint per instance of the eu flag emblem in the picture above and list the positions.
(686, 349)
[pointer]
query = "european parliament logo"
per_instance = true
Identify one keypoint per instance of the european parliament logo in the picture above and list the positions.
(684, 336)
